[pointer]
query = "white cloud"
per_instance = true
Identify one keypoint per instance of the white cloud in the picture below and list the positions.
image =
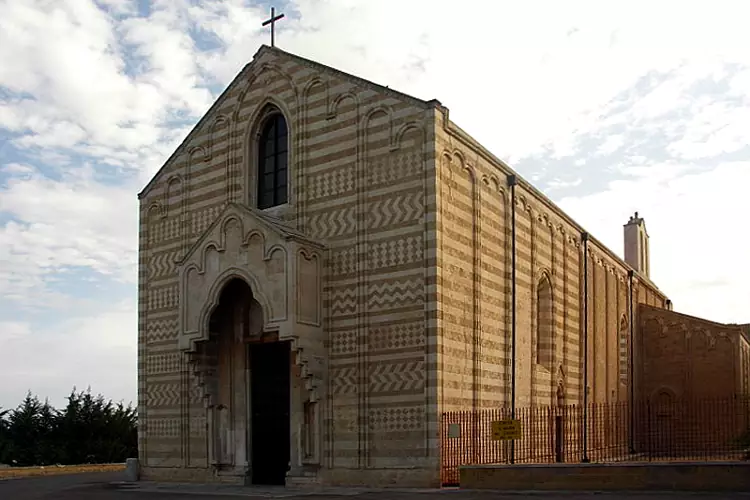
(10, 330)
(97, 351)
(87, 93)
(697, 253)
(17, 169)
(73, 221)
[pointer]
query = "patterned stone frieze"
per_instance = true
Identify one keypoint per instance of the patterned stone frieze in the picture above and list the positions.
(163, 394)
(344, 380)
(396, 252)
(406, 376)
(398, 208)
(400, 292)
(396, 419)
(396, 336)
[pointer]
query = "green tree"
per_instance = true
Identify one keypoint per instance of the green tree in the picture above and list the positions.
(24, 431)
(4, 437)
(89, 429)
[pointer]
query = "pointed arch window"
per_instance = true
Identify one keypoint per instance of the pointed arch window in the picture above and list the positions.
(273, 158)
(624, 347)
(545, 341)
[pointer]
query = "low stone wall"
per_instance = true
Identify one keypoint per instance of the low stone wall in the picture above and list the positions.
(391, 477)
(685, 476)
(407, 477)
(187, 475)
(50, 470)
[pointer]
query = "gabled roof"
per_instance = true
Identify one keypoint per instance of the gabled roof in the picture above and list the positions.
(734, 327)
(271, 223)
(263, 50)
(353, 78)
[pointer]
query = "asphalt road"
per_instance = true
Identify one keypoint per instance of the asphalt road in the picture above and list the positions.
(103, 486)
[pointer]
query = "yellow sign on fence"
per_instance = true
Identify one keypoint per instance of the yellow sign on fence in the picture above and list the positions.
(506, 430)
(454, 430)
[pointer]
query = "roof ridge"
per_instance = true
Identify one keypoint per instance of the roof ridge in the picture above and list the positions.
(350, 76)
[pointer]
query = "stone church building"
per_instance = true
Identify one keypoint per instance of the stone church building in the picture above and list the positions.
(326, 265)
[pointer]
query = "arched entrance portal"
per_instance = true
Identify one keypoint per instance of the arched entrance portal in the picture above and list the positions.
(251, 322)
(249, 410)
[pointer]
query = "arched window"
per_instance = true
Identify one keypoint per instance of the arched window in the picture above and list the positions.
(272, 162)
(545, 341)
(623, 336)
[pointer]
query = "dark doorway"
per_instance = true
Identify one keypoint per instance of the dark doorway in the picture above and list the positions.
(269, 395)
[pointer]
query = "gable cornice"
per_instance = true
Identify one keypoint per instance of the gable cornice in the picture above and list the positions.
(257, 59)
(382, 89)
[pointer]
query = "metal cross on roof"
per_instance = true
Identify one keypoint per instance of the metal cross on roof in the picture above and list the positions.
(272, 21)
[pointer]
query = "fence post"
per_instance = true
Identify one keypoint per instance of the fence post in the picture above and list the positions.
(648, 430)
(559, 438)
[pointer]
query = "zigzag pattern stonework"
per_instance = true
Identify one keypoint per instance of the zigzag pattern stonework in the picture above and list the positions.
(399, 377)
(333, 224)
(407, 292)
(160, 330)
(163, 264)
(163, 394)
(344, 380)
(343, 300)
(395, 210)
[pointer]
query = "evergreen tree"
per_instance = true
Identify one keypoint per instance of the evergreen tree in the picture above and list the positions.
(89, 429)
(4, 436)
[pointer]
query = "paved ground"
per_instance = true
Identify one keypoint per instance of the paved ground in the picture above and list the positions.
(108, 486)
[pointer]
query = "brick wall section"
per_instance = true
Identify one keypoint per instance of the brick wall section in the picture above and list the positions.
(474, 287)
(687, 477)
(745, 358)
(684, 356)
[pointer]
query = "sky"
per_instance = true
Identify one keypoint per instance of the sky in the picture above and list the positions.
(608, 107)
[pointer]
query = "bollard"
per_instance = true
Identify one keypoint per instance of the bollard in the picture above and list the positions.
(131, 470)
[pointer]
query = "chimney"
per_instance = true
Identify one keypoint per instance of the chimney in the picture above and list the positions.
(637, 246)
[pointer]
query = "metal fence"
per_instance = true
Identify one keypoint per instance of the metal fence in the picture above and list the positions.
(681, 430)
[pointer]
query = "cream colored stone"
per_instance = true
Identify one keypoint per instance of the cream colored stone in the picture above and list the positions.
(282, 267)
(388, 270)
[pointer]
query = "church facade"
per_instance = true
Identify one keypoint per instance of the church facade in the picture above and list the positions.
(326, 265)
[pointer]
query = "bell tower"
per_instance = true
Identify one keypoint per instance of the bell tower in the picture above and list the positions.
(637, 245)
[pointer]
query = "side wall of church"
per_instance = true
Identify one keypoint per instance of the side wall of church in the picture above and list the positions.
(475, 282)
(745, 357)
(688, 357)
(362, 180)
